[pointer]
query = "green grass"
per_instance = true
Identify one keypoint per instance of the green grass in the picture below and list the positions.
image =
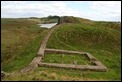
(19, 45)
(102, 42)
(101, 39)
(14, 24)
(24, 57)
(71, 19)
(60, 74)
(52, 74)
(67, 59)
(86, 36)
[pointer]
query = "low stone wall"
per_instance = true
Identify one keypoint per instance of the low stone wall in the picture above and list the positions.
(63, 51)
(34, 63)
(76, 67)
(91, 58)
(99, 66)
(44, 42)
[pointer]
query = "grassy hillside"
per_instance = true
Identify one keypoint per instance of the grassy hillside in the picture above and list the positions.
(71, 19)
(20, 40)
(101, 39)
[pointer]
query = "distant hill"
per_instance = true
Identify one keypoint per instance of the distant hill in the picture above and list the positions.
(71, 19)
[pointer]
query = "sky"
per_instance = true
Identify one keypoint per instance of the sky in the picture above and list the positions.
(93, 10)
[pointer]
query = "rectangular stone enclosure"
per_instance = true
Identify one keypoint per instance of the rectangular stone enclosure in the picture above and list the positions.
(97, 67)
(60, 58)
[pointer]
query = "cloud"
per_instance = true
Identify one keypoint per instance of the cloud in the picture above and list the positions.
(95, 10)
(44, 8)
(107, 10)
(100, 10)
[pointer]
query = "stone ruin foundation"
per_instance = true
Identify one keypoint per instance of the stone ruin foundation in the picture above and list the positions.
(98, 65)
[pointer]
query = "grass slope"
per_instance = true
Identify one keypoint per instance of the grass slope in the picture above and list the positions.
(19, 45)
(67, 59)
(101, 39)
